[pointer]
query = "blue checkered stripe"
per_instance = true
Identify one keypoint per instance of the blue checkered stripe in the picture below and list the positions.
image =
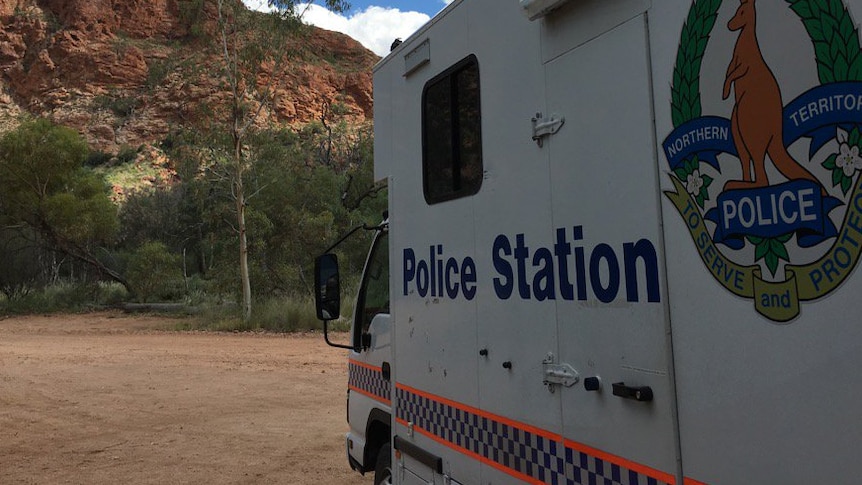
(370, 381)
(524, 453)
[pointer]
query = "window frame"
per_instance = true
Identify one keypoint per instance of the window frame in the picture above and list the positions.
(360, 314)
(451, 74)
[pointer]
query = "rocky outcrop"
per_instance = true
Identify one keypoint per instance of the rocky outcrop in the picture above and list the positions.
(125, 72)
(135, 19)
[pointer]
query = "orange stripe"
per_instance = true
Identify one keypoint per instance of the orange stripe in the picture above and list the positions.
(372, 396)
(692, 481)
(465, 451)
(363, 364)
(635, 467)
(500, 419)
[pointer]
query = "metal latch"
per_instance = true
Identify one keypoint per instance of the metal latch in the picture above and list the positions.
(641, 393)
(558, 374)
(543, 127)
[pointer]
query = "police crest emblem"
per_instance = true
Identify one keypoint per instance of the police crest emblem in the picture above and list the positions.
(770, 190)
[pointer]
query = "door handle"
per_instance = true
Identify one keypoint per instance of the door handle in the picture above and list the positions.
(642, 394)
(386, 370)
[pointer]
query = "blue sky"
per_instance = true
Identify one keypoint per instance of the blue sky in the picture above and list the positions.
(374, 23)
(428, 7)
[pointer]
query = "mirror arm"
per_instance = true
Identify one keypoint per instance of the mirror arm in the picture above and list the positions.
(350, 233)
(331, 344)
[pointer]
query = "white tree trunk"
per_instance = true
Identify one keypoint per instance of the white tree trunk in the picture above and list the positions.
(243, 239)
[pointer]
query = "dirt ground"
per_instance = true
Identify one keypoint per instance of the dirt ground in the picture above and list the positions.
(112, 398)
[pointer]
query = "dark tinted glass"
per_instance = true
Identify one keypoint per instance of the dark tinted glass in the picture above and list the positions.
(452, 133)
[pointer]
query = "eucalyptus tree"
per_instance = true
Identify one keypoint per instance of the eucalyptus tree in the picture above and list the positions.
(48, 196)
(253, 50)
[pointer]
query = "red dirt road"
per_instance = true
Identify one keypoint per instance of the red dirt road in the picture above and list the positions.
(109, 398)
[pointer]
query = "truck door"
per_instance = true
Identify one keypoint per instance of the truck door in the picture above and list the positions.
(618, 421)
(370, 388)
(517, 425)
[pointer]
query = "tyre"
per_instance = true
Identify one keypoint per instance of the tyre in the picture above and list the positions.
(383, 467)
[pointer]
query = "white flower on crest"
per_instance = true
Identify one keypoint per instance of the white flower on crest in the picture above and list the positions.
(695, 182)
(848, 157)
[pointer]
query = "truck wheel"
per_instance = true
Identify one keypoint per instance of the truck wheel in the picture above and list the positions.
(383, 467)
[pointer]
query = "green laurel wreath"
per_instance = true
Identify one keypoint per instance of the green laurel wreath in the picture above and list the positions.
(835, 38)
(838, 57)
(685, 92)
(836, 46)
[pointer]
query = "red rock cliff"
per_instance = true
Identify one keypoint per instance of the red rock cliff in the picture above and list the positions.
(124, 72)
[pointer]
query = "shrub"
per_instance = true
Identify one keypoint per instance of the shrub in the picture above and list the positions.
(154, 273)
(126, 154)
(66, 296)
(157, 73)
(110, 293)
(285, 315)
(121, 106)
(277, 314)
(97, 158)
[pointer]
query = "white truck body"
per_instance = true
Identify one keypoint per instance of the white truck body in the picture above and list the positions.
(649, 281)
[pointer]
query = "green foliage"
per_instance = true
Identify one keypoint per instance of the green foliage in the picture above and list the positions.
(121, 43)
(163, 214)
(301, 198)
(154, 273)
(121, 106)
(302, 205)
(274, 314)
(305, 188)
(132, 177)
(49, 195)
(46, 187)
(771, 250)
(158, 71)
(82, 212)
(97, 158)
(127, 154)
(52, 21)
(38, 156)
(290, 5)
(21, 271)
(298, 204)
(67, 296)
(192, 16)
(286, 315)
(685, 93)
(253, 49)
(835, 39)
(33, 273)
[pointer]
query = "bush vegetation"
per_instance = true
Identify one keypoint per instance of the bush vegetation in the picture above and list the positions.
(174, 242)
(121, 106)
(241, 200)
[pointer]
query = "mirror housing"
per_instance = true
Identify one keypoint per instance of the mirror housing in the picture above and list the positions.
(327, 287)
(327, 294)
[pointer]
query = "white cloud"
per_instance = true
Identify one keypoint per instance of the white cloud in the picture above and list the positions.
(259, 5)
(374, 27)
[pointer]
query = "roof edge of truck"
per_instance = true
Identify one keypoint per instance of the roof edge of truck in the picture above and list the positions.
(415, 35)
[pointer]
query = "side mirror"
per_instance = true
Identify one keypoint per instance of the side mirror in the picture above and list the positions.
(327, 287)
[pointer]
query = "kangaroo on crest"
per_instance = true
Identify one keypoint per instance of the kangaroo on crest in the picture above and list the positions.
(757, 120)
